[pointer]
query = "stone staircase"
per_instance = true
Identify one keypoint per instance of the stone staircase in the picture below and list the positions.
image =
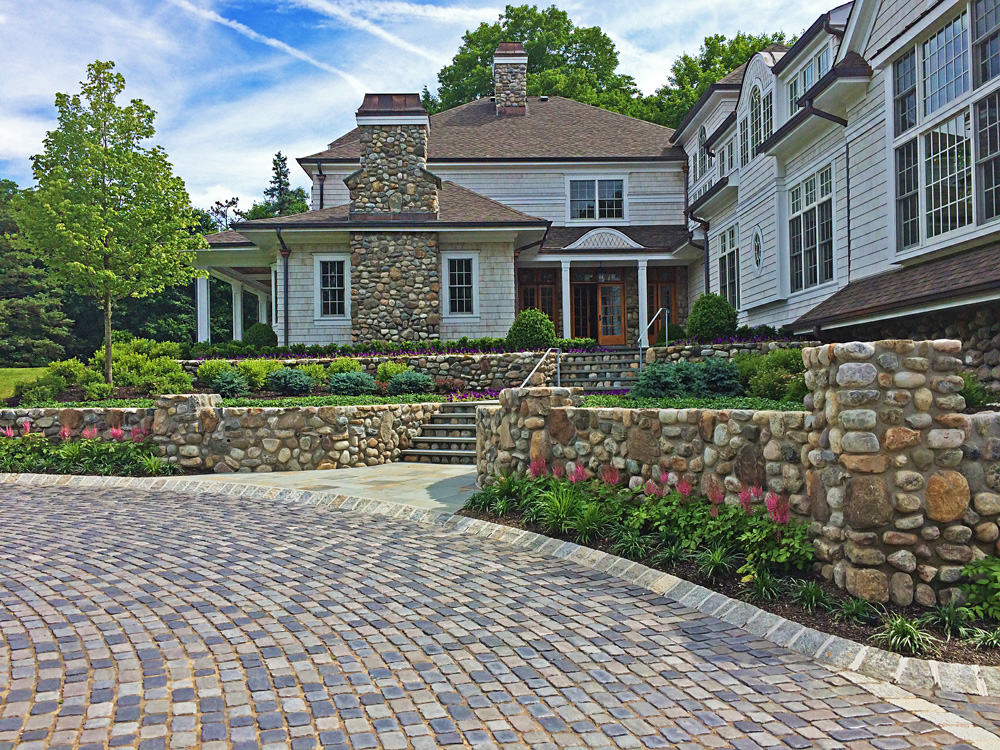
(448, 437)
(600, 371)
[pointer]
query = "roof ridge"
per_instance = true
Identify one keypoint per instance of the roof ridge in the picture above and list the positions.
(609, 111)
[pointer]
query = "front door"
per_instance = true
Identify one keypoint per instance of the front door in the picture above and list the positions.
(662, 294)
(584, 311)
(611, 314)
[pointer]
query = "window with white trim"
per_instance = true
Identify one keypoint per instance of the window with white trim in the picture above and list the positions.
(744, 144)
(702, 152)
(756, 121)
(793, 96)
(946, 149)
(461, 287)
(767, 116)
(596, 199)
(332, 285)
(729, 265)
(810, 230)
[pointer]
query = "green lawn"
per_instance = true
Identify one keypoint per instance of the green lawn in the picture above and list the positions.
(11, 376)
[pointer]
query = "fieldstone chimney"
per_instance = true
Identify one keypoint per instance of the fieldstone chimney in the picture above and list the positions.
(510, 79)
(393, 178)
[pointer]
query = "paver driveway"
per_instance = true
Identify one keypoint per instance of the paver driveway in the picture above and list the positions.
(157, 619)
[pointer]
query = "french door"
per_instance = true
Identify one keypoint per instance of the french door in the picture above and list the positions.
(611, 314)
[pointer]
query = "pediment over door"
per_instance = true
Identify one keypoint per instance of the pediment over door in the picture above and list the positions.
(604, 239)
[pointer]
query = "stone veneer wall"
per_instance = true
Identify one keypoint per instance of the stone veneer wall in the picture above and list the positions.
(978, 327)
(472, 371)
(724, 449)
(395, 286)
(701, 352)
(510, 87)
(903, 488)
(393, 177)
(195, 432)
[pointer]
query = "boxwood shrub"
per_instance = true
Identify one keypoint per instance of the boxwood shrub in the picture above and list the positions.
(711, 317)
(410, 382)
(531, 329)
(290, 382)
(351, 384)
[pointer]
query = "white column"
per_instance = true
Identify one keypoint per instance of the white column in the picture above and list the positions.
(237, 310)
(643, 305)
(263, 307)
(202, 307)
(567, 302)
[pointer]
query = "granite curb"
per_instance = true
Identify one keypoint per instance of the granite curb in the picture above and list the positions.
(906, 672)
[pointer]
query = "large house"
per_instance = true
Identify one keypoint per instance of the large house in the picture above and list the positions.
(851, 179)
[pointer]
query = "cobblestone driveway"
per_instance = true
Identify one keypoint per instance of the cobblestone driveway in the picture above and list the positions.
(155, 620)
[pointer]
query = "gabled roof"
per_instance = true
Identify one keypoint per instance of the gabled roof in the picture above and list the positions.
(227, 238)
(558, 129)
(951, 277)
(660, 237)
(832, 22)
(459, 207)
(732, 81)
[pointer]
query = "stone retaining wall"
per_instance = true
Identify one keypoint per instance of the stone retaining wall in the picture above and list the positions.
(51, 421)
(724, 449)
(904, 489)
(701, 352)
(469, 371)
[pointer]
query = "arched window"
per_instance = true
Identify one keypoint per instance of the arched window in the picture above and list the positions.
(702, 154)
(756, 121)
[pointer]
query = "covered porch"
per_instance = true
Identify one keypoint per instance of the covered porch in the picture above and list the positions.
(237, 262)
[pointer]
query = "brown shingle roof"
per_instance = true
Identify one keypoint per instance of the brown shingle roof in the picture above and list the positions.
(227, 237)
(651, 237)
(554, 130)
(952, 277)
(459, 206)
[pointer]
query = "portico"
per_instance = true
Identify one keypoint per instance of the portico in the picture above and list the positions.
(242, 265)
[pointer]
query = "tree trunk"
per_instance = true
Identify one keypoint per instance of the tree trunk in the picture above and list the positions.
(107, 340)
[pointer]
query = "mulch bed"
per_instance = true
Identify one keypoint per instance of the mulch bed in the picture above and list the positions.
(819, 619)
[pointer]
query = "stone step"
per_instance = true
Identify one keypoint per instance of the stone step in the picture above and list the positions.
(453, 419)
(468, 429)
(444, 439)
(630, 361)
(439, 456)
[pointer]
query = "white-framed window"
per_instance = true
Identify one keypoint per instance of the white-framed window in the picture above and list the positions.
(817, 67)
(758, 250)
(729, 265)
(460, 271)
(793, 96)
(756, 121)
(332, 284)
(946, 148)
(767, 115)
(744, 143)
(702, 153)
(597, 198)
(810, 230)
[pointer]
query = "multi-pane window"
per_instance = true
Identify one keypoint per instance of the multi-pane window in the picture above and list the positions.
(756, 121)
(988, 156)
(730, 155)
(904, 81)
(702, 155)
(461, 285)
(947, 175)
(810, 230)
(986, 40)
(332, 284)
(758, 249)
(767, 115)
(729, 266)
(744, 144)
(793, 96)
(907, 195)
(946, 64)
(596, 199)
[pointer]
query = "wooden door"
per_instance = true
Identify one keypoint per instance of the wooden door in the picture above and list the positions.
(611, 314)
(584, 311)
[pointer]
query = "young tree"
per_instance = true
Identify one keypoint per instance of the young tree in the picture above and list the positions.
(563, 59)
(33, 327)
(279, 197)
(108, 215)
(690, 74)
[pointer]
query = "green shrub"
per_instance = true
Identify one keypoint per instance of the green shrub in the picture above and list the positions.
(809, 595)
(290, 382)
(975, 395)
(532, 329)
(951, 619)
(231, 384)
(410, 382)
(757, 332)
(260, 334)
(855, 610)
(351, 383)
(46, 388)
(210, 369)
(98, 390)
(257, 370)
(983, 587)
(905, 637)
(751, 403)
(314, 370)
(711, 317)
(720, 377)
(584, 344)
(344, 364)
(150, 366)
(715, 377)
(673, 332)
(73, 371)
(388, 370)
(984, 639)
(779, 375)
(763, 586)
(39, 455)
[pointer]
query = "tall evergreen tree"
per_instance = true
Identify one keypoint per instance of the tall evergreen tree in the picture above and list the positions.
(33, 327)
(280, 199)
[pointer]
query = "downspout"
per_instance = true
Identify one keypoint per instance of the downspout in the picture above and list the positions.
(847, 187)
(285, 252)
(322, 181)
(704, 226)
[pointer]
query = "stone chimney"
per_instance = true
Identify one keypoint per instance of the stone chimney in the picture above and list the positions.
(393, 178)
(510, 79)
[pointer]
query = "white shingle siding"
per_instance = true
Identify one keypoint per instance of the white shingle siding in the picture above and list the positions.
(496, 291)
(304, 328)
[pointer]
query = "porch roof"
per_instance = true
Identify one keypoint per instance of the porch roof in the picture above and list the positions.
(656, 238)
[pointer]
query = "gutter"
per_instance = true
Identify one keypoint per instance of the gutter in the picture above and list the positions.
(285, 252)
(704, 225)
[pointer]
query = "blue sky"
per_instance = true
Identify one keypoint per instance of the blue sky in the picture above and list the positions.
(233, 81)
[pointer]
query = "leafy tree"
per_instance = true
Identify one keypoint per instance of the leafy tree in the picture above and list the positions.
(221, 218)
(108, 215)
(563, 59)
(33, 327)
(204, 223)
(279, 197)
(691, 75)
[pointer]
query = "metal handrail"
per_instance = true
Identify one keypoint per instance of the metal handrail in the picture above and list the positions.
(666, 328)
(538, 364)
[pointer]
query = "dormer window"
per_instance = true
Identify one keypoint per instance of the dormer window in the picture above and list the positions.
(702, 152)
(760, 119)
(596, 199)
